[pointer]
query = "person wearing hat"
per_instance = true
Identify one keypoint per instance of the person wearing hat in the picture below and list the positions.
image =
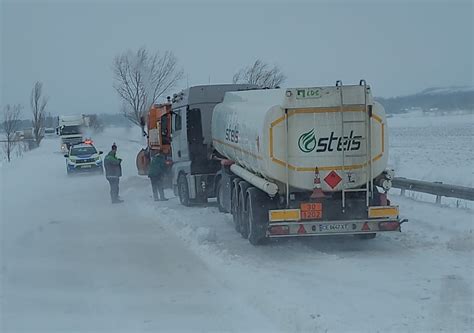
(113, 172)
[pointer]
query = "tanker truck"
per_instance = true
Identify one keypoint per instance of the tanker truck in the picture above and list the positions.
(286, 162)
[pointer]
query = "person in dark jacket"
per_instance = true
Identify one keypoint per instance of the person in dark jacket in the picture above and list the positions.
(113, 172)
(156, 172)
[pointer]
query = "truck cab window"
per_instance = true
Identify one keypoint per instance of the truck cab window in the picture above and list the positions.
(197, 148)
(177, 120)
(164, 130)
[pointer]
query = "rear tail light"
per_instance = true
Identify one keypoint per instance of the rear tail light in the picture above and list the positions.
(168, 162)
(389, 226)
(280, 230)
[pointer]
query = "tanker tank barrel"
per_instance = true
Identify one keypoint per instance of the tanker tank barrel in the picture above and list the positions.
(258, 128)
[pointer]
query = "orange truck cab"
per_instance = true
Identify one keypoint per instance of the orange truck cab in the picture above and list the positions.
(158, 122)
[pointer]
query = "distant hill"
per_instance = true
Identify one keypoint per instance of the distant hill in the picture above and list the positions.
(441, 99)
(433, 99)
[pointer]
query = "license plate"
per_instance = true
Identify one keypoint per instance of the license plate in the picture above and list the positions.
(311, 211)
(334, 227)
(85, 166)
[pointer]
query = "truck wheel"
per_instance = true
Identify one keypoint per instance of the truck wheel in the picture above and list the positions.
(183, 191)
(235, 205)
(366, 236)
(219, 196)
(243, 215)
(257, 219)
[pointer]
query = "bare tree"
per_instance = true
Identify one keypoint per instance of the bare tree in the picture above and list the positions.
(38, 104)
(260, 74)
(11, 124)
(95, 124)
(140, 78)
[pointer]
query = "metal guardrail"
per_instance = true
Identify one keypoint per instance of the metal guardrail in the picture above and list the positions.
(17, 140)
(436, 188)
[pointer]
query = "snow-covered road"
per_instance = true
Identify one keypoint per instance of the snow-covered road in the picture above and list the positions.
(71, 261)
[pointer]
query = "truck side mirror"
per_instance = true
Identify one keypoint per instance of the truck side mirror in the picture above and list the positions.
(101, 152)
(66, 155)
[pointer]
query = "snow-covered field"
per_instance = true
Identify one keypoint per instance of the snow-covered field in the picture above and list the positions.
(433, 148)
(71, 261)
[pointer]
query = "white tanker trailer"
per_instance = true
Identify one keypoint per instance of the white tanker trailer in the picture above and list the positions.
(299, 162)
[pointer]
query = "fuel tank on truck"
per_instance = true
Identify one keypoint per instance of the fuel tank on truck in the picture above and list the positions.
(270, 131)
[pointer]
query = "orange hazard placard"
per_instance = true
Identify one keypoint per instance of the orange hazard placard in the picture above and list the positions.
(311, 211)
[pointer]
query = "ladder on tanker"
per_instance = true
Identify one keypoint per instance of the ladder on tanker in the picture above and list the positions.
(366, 138)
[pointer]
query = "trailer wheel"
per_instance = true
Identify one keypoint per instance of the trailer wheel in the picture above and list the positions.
(243, 214)
(235, 205)
(242, 208)
(219, 196)
(183, 191)
(257, 219)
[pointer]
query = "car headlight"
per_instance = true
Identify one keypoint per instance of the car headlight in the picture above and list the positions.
(72, 158)
(97, 158)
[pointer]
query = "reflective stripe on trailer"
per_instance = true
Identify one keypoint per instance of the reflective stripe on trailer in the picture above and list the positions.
(280, 215)
(316, 228)
(383, 211)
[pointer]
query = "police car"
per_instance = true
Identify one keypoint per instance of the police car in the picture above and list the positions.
(83, 157)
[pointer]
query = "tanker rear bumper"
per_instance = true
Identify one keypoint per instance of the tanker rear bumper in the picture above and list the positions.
(339, 227)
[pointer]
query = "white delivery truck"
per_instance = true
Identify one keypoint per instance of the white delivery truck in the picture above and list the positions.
(293, 162)
(70, 130)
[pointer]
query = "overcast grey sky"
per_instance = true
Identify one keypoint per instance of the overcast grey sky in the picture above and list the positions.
(399, 47)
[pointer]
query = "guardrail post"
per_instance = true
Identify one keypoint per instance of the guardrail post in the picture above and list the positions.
(402, 192)
(438, 199)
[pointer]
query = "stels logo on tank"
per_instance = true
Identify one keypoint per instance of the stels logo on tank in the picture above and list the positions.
(232, 134)
(308, 142)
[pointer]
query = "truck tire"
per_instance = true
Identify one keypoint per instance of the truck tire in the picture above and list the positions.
(257, 216)
(183, 191)
(219, 196)
(243, 215)
(242, 209)
(234, 201)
